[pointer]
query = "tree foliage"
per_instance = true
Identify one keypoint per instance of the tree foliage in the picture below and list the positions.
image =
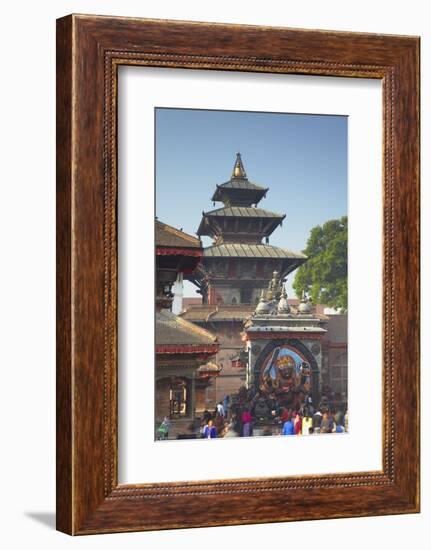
(324, 275)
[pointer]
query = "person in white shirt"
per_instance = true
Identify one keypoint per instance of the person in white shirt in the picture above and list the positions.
(307, 424)
(220, 409)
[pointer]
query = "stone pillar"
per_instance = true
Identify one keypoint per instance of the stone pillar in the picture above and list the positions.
(249, 376)
(251, 367)
(193, 396)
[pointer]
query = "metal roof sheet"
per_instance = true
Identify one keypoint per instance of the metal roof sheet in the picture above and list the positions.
(241, 183)
(171, 329)
(244, 211)
(250, 251)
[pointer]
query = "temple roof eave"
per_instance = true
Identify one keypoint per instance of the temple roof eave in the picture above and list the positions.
(281, 328)
(210, 222)
(253, 195)
(242, 212)
(168, 236)
(245, 250)
(187, 349)
(179, 251)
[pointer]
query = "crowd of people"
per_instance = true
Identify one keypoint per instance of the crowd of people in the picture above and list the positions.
(302, 422)
(246, 415)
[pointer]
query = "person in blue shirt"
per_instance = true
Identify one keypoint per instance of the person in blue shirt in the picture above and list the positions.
(210, 431)
(288, 428)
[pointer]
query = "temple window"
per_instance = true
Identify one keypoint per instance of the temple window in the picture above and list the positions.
(246, 295)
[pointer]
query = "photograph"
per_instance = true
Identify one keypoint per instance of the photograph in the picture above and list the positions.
(212, 311)
(251, 260)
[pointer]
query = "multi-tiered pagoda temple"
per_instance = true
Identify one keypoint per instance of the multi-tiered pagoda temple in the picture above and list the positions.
(239, 265)
(235, 270)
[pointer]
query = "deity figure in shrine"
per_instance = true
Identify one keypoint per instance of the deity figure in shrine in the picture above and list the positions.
(287, 377)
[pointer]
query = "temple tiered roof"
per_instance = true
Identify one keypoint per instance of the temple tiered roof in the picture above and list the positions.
(238, 183)
(218, 223)
(244, 211)
(237, 250)
(239, 263)
(238, 216)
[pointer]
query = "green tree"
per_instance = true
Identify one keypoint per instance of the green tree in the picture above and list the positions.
(324, 275)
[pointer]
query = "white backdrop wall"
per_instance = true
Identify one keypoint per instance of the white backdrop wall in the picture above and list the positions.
(27, 289)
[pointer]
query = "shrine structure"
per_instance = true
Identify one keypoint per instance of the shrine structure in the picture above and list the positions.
(284, 349)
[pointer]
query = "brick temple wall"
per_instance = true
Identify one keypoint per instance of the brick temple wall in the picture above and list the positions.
(230, 379)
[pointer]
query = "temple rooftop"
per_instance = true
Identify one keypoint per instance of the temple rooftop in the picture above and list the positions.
(239, 183)
(169, 236)
(175, 331)
(239, 190)
(244, 211)
(286, 328)
(218, 223)
(223, 312)
(240, 312)
(244, 250)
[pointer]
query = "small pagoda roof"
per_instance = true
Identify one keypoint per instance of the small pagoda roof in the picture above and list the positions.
(175, 331)
(239, 188)
(255, 192)
(168, 236)
(251, 251)
(241, 183)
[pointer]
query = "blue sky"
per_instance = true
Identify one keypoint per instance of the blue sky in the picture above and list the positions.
(301, 158)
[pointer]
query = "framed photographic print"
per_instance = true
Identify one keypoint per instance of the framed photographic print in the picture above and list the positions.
(237, 274)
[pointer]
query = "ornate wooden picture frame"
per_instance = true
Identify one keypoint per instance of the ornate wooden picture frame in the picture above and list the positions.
(89, 51)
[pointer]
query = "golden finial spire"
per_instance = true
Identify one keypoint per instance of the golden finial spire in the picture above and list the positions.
(238, 169)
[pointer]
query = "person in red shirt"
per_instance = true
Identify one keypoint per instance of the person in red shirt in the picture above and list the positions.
(285, 416)
(246, 423)
(298, 424)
